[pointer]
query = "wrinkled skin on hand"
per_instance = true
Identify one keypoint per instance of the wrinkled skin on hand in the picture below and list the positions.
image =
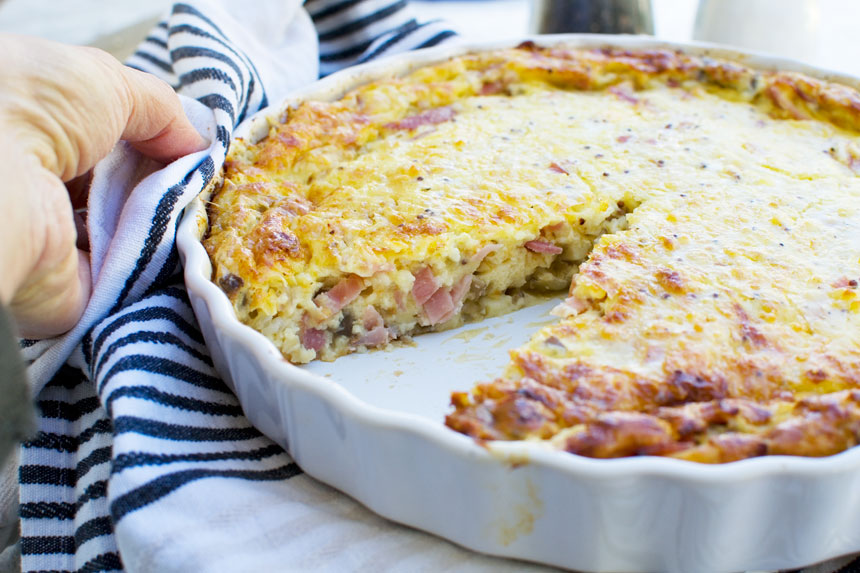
(62, 109)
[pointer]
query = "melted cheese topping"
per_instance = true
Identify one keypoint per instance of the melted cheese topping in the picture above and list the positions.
(716, 317)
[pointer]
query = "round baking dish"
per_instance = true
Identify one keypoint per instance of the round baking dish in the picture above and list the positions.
(517, 499)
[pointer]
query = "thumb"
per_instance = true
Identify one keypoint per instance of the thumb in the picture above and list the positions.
(49, 280)
(52, 302)
(157, 125)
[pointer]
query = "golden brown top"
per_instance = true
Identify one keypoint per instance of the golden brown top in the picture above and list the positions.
(724, 322)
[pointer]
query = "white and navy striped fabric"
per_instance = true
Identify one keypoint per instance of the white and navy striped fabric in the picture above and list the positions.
(144, 460)
(371, 30)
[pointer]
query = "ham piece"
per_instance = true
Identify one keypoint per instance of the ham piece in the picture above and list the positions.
(844, 282)
(539, 246)
(492, 88)
(425, 285)
(374, 326)
(429, 117)
(558, 168)
(439, 307)
(343, 293)
(459, 290)
(483, 252)
(371, 318)
(439, 304)
(570, 307)
(374, 337)
(624, 93)
(313, 338)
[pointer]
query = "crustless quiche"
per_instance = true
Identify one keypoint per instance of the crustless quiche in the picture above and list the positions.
(704, 218)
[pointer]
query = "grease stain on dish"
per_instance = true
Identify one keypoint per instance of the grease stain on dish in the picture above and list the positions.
(467, 335)
(470, 357)
(542, 323)
(523, 515)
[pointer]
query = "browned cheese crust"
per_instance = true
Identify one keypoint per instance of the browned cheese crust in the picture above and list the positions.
(706, 216)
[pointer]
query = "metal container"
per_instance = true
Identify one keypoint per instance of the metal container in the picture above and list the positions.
(592, 16)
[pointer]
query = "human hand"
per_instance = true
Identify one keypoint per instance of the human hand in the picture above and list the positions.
(62, 109)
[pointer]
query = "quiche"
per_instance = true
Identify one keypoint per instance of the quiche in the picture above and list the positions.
(701, 217)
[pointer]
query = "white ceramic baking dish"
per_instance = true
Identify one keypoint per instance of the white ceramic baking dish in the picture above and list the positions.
(372, 426)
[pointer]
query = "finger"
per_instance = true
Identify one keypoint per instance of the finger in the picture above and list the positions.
(157, 125)
(52, 302)
(51, 278)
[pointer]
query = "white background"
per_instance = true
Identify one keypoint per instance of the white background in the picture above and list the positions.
(118, 25)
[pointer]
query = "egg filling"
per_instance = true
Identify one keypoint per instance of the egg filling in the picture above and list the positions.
(703, 218)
